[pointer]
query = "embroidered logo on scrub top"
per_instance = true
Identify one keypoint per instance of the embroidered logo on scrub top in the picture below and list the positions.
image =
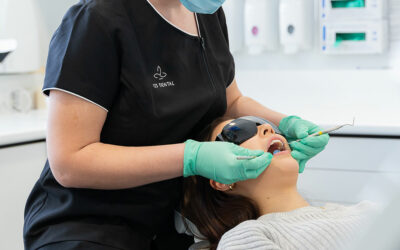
(159, 75)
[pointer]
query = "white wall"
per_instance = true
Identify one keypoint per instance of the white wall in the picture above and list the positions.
(394, 27)
(50, 13)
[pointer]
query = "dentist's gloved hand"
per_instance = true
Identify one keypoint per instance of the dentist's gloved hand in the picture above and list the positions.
(294, 128)
(217, 161)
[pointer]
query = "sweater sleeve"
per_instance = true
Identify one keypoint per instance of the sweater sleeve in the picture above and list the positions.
(247, 235)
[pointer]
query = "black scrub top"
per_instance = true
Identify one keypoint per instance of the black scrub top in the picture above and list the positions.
(159, 85)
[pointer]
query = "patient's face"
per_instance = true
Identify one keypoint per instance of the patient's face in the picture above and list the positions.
(283, 170)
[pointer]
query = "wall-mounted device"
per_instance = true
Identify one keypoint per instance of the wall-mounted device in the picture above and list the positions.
(260, 25)
(353, 26)
(295, 17)
(354, 37)
(6, 47)
(351, 9)
(18, 20)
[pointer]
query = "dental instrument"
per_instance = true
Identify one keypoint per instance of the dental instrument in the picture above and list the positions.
(329, 130)
(245, 157)
(252, 157)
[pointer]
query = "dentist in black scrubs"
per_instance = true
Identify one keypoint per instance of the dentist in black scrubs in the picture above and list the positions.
(129, 82)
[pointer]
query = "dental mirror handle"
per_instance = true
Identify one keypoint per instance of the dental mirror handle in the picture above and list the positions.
(245, 157)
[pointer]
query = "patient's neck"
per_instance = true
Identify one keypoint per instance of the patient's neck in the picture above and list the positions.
(280, 200)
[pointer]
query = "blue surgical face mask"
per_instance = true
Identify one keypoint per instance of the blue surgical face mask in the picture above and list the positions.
(202, 6)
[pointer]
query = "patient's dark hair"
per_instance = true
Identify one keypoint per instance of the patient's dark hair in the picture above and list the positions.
(214, 212)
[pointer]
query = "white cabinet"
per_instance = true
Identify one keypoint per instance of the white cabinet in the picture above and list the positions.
(20, 167)
(352, 169)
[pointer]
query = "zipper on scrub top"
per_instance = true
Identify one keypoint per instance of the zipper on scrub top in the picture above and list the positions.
(203, 52)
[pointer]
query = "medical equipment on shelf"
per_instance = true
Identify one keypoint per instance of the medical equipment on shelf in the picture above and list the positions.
(295, 25)
(260, 22)
(353, 26)
(18, 20)
(15, 99)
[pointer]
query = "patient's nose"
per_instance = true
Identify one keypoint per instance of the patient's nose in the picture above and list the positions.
(265, 130)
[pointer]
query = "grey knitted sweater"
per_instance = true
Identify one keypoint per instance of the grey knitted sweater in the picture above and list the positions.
(330, 227)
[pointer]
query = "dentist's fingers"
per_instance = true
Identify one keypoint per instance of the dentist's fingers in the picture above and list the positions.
(314, 129)
(253, 168)
(301, 159)
(302, 165)
(299, 155)
(301, 131)
(316, 141)
(305, 149)
(240, 151)
(258, 162)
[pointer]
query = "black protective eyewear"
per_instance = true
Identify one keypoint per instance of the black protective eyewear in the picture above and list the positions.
(242, 129)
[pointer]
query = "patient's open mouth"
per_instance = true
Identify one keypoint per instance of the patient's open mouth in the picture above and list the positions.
(276, 145)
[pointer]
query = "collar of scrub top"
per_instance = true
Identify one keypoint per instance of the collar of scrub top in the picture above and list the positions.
(242, 129)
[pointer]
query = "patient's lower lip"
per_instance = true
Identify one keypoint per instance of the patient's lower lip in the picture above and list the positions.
(282, 152)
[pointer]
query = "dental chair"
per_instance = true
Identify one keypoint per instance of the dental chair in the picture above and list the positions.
(384, 233)
(185, 226)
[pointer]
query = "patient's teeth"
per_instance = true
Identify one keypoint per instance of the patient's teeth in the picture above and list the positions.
(274, 141)
(274, 146)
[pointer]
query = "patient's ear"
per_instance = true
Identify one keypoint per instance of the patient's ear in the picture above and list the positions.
(219, 186)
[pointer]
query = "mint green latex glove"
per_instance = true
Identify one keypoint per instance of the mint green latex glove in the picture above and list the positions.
(217, 161)
(294, 128)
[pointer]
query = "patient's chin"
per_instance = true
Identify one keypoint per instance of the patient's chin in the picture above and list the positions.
(285, 163)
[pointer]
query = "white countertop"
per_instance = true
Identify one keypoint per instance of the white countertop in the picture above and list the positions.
(23, 127)
(327, 98)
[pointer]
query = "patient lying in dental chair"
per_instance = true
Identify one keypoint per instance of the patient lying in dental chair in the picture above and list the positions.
(267, 212)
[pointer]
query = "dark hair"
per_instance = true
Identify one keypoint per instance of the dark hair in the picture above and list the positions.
(214, 212)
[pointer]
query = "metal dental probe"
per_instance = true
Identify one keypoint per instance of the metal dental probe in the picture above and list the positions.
(315, 134)
(329, 130)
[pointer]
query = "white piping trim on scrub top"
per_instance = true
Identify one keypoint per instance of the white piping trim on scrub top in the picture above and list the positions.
(66, 91)
(197, 24)
(176, 27)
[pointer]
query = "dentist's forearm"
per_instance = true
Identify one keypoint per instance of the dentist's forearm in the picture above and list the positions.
(105, 166)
